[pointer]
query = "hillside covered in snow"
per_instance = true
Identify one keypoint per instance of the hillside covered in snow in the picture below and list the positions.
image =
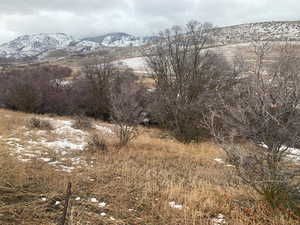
(276, 31)
(36, 45)
(121, 40)
(39, 45)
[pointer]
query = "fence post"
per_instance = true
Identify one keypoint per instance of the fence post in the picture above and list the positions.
(67, 204)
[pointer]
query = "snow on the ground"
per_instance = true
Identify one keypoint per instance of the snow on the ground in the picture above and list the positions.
(220, 219)
(57, 203)
(105, 130)
(102, 204)
(221, 161)
(291, 153)
(62, 144)
(174, 205)
(138, 64)
(57, 147)
(94, 200)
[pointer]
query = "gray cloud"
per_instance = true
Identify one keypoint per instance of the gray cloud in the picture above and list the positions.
(94, 17)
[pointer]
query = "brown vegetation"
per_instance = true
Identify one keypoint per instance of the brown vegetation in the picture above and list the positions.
(137, 183)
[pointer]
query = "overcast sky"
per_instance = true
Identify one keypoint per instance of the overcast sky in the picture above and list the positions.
(82, 18)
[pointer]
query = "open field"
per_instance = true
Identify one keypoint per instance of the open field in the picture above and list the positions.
(155, 180)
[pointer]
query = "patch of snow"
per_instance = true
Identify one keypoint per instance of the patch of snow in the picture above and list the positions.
(102, 204)
(219, 160)
(291, 153)
(103, 214)
(46, 159)
(220, 219)
(57, 203)
(67, 169)
(44, 199)
(13, 139)
(94, 200)
(174, 205)
(105, 130)
(229, 165)
(112, 218)
(65, 144)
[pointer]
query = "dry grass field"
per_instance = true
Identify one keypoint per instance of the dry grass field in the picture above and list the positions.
(153, 181)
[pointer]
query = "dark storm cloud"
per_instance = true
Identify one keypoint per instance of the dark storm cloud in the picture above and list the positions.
(93, 17)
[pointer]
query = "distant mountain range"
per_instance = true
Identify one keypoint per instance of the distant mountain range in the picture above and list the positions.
(40, 45)
(121, 40)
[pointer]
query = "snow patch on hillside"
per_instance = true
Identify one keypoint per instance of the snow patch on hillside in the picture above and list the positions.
(60, 147)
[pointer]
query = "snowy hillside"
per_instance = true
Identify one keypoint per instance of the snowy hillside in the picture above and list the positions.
(278, 31)
(121, 40)
(82, 46)
(38, 45)
(34, 45)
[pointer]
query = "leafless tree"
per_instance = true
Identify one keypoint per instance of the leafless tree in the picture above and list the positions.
(94, 94)
(187, 76)
(264, 110)
(126, 110)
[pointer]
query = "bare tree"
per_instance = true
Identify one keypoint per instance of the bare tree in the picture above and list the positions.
(127, 108)
(264, 109)
(187, 76)
(94, 89)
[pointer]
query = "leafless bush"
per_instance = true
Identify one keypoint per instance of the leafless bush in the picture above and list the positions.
(93, 92)
(32, 89)
(127, 108)
(187, 76)
(82, 122)
(96, 144)
(36, 123)
(264, 109)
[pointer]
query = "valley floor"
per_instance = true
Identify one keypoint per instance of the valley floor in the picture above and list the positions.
(155, 180)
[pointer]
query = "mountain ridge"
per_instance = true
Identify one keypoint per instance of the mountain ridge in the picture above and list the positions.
(38, 45)
(35, 45)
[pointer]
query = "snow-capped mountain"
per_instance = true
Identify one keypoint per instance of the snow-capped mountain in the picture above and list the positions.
(38, 45)
(34, 45)
(121, 40)
(82, 46)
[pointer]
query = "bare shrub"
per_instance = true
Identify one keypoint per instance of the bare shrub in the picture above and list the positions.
(187, 77)
(93, 91)
(96, 144)
(82, 122)
(33, 89)
(36, 123)
(264, 109)
(126, 108)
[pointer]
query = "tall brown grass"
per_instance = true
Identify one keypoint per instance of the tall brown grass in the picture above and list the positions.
(137, 183)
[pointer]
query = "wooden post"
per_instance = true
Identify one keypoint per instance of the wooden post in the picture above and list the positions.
(67, 203)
